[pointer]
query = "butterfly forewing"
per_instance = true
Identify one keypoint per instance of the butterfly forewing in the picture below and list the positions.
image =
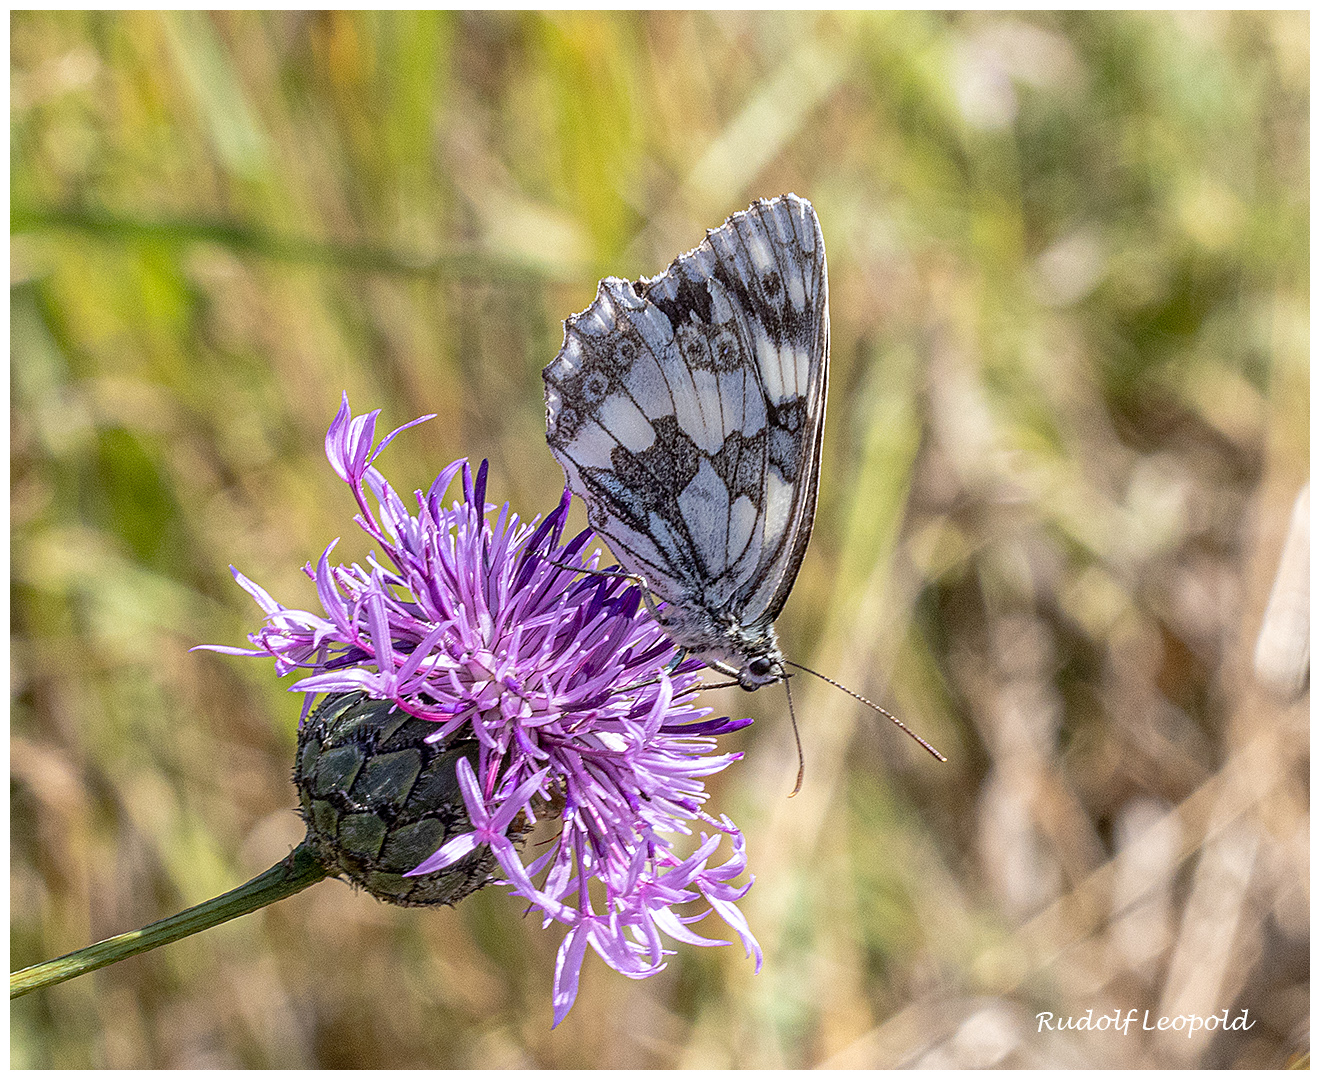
(687, 412)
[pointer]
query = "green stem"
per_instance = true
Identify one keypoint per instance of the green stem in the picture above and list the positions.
(285, 878)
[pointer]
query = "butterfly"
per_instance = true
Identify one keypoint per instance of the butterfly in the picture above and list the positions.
(687, 412)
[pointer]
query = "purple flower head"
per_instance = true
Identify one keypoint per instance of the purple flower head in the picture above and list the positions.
(563, 680)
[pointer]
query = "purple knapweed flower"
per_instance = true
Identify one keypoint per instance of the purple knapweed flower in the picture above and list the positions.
(563, 680)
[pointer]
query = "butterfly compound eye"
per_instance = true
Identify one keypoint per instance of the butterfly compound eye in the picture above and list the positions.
(756, 673)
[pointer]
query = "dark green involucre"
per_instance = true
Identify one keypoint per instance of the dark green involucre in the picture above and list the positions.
(378, 799)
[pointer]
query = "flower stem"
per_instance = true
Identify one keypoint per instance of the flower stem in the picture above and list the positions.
(290, 875)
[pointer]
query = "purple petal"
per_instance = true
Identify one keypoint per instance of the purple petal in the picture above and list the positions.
(335, 446)
(515, 802)
(568, 967)
(472, 798)
(450, 852)
(390, 437)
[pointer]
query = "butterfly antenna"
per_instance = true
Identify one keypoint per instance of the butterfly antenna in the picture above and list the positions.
(882, 711)
(792, 716)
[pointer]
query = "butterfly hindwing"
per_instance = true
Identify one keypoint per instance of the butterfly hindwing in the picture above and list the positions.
(687, 412)
(778, 276)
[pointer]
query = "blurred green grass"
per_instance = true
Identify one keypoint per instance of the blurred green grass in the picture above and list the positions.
(1068, 418)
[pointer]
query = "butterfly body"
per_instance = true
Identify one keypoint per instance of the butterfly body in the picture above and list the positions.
(687, 411)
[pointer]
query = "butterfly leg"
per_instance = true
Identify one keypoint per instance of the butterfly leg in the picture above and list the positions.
(647, 598)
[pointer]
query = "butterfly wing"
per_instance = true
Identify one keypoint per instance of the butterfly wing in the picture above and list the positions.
(772, 258)
(687, 412)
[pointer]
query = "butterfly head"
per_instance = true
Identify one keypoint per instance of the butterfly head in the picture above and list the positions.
(749, 654)
(758, 671)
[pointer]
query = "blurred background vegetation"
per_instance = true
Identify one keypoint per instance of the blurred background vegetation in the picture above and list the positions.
(1068, 423)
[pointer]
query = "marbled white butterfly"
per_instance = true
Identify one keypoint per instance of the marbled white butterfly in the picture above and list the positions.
(687, 411)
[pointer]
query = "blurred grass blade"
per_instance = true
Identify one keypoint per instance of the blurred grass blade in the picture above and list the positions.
(767, 122)
(231, 122)
(243, 238)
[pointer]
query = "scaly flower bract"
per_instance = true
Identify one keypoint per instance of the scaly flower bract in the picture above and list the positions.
(564, 681)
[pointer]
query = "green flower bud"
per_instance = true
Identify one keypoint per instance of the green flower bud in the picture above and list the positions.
(378, 799)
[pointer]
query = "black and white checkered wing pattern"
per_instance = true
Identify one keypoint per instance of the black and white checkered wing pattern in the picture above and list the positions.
(687, 412)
